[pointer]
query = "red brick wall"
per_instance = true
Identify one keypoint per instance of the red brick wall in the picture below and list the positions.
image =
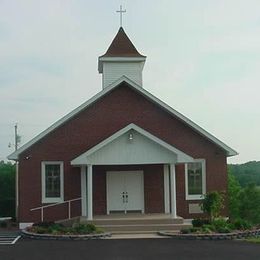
(216, 180)
(154, 189)
(112, 112)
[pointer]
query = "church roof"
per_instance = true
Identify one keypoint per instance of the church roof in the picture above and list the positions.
(122, 46)
(130, 83)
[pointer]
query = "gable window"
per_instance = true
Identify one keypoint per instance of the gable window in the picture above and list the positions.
(52, 182)
(195, 179)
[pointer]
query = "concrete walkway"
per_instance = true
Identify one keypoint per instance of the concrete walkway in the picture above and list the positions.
(135, 236)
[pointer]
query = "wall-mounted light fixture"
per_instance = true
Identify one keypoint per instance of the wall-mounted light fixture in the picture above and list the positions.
(131, 136)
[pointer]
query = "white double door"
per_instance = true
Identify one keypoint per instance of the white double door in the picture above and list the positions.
(125, 191)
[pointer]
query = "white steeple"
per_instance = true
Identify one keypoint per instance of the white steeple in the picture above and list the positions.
(121, 59)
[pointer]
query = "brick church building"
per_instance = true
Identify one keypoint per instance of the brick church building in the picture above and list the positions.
(123, 151)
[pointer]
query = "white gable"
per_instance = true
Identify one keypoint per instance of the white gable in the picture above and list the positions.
(132, 145)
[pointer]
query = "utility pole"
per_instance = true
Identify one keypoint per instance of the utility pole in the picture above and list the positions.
(15, 137)
(17, 140)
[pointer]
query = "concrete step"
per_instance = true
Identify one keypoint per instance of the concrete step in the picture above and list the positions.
(141, 228)
(134, 221)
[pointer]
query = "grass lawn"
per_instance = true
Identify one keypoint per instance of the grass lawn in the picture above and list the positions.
(254, 240)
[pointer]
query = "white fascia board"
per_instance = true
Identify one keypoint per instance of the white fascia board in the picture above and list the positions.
(181, 156)
(122, 59)
(230, 151)
(117, 59)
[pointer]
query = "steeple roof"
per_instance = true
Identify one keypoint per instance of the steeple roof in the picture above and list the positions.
(122, 46)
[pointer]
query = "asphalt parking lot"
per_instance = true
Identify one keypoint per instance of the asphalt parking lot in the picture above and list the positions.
(26, 249)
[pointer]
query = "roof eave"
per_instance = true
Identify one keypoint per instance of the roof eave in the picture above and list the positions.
(229, 151)
(103, 58)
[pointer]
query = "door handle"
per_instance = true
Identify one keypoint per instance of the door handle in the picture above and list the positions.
(123, 197)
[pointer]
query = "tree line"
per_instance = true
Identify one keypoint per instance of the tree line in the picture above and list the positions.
(246, 173)
(244, 191)
(7, 189)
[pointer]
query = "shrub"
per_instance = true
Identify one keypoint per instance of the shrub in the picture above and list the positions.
(56, 229)
(224, 230)
(185, 231)
(39, 230)
(84, 228)
(44, 224)
(219, 223)
(195, 229)
(207, 228)
(212, 204)
(199, 222)
(242, 224)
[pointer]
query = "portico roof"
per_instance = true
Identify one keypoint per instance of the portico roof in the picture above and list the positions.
(132, 145)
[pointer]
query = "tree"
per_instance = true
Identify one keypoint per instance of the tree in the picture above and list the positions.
(7, 189)
(234, 190)
(250, 204)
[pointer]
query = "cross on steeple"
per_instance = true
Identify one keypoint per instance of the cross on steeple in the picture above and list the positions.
(121, 11)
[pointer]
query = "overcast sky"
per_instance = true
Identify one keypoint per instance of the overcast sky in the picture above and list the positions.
(203, 59)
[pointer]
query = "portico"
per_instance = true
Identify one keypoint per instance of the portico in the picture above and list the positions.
(128, 153)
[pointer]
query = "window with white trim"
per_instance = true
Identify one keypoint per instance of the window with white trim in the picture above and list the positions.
(195, 179)
(52, 182)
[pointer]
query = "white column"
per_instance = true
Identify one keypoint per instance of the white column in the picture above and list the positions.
(166, 189)
(90, 195)
(83, 191)
(173, 191)
(16, 189)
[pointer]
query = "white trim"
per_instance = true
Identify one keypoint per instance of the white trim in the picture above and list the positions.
(54, 199)
(132, 84)
(122, 58)
(199, 196)
(108, 206)
(83, 158)
(90, 192)
(117, 59)
(173, 191)
(166, 189)
(83, 183)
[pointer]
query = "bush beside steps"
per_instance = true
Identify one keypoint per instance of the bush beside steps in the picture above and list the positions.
(52, 230)
(218, 225)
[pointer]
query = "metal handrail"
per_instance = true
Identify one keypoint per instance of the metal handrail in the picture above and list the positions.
(55, 204)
